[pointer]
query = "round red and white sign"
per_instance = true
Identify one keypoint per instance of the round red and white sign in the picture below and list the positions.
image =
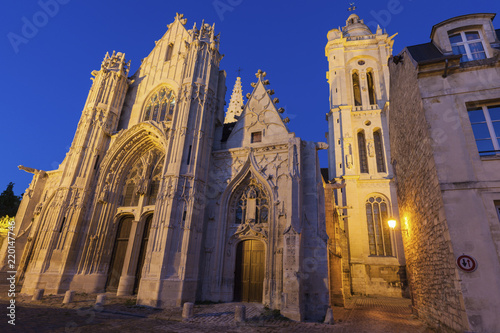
(466, 263)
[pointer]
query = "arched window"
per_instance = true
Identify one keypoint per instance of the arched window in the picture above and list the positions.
(379, 151)
(160, 105)
(170, 50)
(252, 205)
(143, 179)
(371, 87)
(356, 89)
(379, 234)
(363, 160)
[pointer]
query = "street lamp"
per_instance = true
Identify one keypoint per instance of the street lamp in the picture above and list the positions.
(392, 223)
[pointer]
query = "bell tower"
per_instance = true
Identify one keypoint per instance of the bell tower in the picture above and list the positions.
(359, 155)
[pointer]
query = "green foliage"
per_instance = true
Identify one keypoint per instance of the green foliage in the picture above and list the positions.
(5, 222)
(9, 202)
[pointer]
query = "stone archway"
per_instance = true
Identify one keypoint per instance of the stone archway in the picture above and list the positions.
(249, 271)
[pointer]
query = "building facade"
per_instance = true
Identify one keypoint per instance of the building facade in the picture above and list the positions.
(158, 197)
(444, 134)
(358, 156)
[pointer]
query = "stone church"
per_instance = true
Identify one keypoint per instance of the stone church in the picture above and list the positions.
(164, 196)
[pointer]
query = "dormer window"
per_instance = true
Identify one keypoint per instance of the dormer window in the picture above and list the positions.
(469, 44)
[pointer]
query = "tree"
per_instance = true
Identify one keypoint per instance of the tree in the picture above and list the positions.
(9, 202)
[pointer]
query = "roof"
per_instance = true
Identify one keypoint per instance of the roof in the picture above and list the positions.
(226, 130)
(498, 33)
(324, 174)
(424, 52)
(490, 16)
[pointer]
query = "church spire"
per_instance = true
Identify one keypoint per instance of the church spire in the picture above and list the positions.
(236, 104)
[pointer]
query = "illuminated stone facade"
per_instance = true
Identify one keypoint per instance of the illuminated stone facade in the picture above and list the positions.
(359, 161)
(157, 196)
(444, 126)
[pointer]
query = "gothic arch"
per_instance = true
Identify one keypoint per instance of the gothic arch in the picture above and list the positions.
(249, 168)
(225, 246)
(130, 146)
(378, 209)
(169, 96)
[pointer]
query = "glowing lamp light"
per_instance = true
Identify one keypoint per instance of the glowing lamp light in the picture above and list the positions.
(392, 223)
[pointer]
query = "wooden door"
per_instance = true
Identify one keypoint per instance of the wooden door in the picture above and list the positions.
(249, 273)
(142, 252)
(118, 255)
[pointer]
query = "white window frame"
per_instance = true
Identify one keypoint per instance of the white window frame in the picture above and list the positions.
(466, 43)
(489, 124)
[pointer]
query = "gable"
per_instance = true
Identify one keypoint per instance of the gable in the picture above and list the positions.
(260, 123)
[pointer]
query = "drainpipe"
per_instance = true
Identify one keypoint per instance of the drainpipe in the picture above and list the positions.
(445, 74)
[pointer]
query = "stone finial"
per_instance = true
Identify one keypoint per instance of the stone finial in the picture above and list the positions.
(276, 100)
(253, 84)
(270, 91)
(286, 120)
(281, 110)
(260, 74)
(180, 18)
(236, 104)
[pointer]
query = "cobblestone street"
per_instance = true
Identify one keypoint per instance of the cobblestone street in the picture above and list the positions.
(119, 314)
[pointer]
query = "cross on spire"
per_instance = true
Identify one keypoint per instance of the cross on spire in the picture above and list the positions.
(352, 8)
(239, 71)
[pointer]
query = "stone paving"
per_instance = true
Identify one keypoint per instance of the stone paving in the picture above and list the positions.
(120, 314)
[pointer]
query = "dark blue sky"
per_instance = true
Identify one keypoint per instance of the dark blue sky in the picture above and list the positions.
(48, 58)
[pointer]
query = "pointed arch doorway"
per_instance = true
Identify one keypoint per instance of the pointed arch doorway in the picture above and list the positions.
(249, 271)
(119, 253)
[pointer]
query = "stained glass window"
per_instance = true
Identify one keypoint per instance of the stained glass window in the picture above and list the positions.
(252, 205)
(160, 106)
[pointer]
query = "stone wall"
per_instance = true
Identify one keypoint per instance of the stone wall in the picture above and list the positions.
(434, 282)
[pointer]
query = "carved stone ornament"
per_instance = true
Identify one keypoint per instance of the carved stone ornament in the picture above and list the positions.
(38, 208)
(371, 148)
(246, 230)
(103, 197)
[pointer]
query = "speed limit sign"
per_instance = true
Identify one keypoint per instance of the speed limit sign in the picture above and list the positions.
(466, 263)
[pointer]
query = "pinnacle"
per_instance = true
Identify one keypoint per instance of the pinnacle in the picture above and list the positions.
(236, 104)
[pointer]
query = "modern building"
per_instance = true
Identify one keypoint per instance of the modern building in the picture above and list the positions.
(157, 196)
(445, 141)
(373, 262)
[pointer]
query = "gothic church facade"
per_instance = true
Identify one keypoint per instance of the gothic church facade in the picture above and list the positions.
(159, 196)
